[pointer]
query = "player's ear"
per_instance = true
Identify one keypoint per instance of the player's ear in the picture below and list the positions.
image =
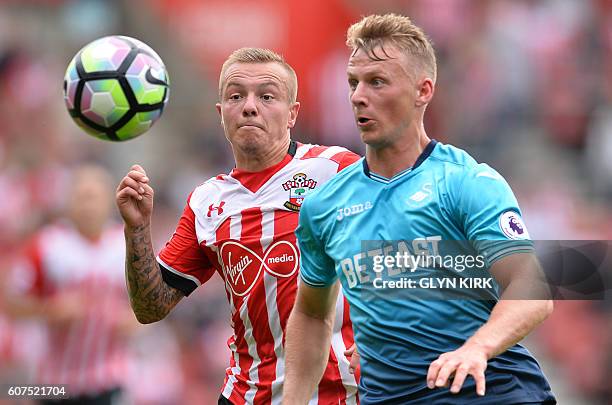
(425, 92)
(293, 113)
(218, 107)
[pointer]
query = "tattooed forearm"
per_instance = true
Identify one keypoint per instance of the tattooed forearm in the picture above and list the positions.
(151, 298)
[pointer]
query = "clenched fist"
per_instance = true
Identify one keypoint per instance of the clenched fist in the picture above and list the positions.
(134, 198)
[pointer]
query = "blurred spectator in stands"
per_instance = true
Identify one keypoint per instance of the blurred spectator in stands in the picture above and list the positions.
(72, 278)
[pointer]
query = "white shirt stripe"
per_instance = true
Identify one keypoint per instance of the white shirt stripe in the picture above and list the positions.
(91, 333)
(235, 230)
(235, 233)
(71, 342)
(302, 150)
(104, 341)
(84, 379)
(331, 151)
(231, 378)
(271, 305)
(252, 347)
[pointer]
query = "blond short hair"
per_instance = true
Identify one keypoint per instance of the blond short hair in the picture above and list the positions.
(375, 31)
(260, 55)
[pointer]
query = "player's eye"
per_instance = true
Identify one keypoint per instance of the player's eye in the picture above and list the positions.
(352, 84)
(377, 82)
(235, 96)
(267, 97)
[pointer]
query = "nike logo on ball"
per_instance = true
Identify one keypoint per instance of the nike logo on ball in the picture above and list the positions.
(154, 80)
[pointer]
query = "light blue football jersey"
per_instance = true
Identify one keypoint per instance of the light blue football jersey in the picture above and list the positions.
(446, 196)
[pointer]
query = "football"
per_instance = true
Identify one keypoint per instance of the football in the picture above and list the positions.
(116, 87)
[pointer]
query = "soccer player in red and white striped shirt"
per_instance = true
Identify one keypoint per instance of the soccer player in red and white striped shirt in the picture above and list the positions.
(71, 277)
(241, 226)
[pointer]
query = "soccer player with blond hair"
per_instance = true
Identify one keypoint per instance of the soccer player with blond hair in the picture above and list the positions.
(413, 195)
(241, 226)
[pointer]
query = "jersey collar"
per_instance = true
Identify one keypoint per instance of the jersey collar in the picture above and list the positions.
(422, 157)
(254, 180)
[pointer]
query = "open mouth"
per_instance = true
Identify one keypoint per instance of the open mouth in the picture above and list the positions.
(364, 121)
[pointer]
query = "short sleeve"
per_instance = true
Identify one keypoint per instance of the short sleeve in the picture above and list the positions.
(490, 216)
(317, 269)
(183, 262)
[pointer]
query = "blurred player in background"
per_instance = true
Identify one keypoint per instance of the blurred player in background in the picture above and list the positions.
(71, 277)
(242, 225)
(412, 188)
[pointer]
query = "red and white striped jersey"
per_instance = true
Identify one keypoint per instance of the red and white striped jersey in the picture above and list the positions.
(87, 354)
(242, 226)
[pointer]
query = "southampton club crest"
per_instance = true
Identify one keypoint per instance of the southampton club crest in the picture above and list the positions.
(298, 188)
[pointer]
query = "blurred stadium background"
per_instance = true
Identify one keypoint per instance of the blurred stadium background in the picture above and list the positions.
(524, 85)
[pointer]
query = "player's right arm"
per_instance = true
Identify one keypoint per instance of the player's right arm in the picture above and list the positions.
(150, 297)
(308, 339)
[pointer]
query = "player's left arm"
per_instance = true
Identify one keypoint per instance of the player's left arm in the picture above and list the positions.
(483, 203)
(510, 321)
(309, 328)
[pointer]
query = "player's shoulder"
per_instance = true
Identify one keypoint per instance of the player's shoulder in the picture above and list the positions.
(314, 151)
(340, 156)
(453, 156)
(460, 165)
(55, 235)
(210, 188)
(336, 186)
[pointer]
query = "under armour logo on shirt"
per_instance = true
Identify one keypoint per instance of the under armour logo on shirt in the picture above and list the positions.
(218, 208)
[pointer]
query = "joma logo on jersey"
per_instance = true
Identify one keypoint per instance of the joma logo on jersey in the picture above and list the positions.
(243, 267)
(353, 210)
(298, 187)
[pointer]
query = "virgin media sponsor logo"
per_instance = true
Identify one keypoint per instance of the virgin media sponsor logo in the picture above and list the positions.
(243, 267)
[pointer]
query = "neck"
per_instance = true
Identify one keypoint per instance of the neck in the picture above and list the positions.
(389, 159)
(256, 160)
